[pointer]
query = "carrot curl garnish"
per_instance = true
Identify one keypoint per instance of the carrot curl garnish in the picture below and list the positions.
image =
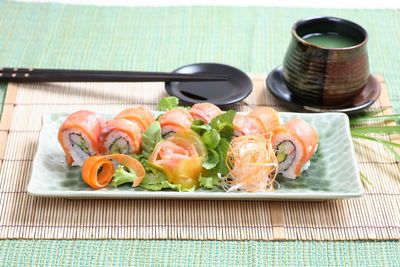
(98, 171)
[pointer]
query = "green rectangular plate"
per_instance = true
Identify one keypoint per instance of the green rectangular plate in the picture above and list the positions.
(333, 172)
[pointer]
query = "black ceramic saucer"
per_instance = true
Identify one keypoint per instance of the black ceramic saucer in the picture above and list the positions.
(277, 86)
(236, 88)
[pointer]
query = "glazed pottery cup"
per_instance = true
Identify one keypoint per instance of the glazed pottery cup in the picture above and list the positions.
(323, 75)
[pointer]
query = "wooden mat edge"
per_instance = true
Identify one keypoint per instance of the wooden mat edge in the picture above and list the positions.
(6, 117)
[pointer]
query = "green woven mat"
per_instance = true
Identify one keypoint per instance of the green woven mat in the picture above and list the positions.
(161, 39)
(198, 253)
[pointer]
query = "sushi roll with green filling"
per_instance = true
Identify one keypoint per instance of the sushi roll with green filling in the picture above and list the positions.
(295, 142)
(79, 136)
(120, 136)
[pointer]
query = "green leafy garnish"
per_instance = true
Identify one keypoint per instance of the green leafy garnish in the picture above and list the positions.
(211, 138)
(156, 180)
(150, 138)
(216, 137)
(168, 103)
(212, 159)
(222, 150)
(224, 124)
(200, 127)
(209, 182)
(123, 175)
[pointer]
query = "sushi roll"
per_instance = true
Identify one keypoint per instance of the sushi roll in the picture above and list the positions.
(205, 111)
(174, 121)
(79, 135)
(267, 117)
(139, 115)
(245, 125)
(295, 142)
(120, 136)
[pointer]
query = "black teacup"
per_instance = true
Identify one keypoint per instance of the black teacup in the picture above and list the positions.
(326, 63)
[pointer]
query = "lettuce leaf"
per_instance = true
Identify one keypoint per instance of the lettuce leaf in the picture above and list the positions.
(209, 182)
(222, 150)
(168, 103)
(150, 138)
(211, 138)
(216, 136)
(224, 124)
(156, 180)
(212, 159)
(200, 127)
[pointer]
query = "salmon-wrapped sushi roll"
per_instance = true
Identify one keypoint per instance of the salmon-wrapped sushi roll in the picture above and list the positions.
(175, 120)
(120, 136)
(267, 117)
(205, 111)
(79, 135)
(295, 142)
(139, 115)
(245, 125)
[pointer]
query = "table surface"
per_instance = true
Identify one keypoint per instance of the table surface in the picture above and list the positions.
(161, 39)
(382, 4)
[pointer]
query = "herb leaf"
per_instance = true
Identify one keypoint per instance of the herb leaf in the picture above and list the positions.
(211, 138)
(212, 159)
(209, 182)
(200, 127)
(224, 124)
(168, 103)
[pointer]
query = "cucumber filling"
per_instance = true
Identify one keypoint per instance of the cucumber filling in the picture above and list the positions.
(120, 146)
(77, 140)
(280, 156)
(285, 154)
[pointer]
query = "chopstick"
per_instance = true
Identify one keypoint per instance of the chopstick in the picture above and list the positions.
(60, 75)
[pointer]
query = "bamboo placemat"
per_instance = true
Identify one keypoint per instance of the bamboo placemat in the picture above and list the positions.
(375, 216)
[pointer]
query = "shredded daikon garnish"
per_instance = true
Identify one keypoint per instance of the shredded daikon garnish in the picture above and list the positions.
(252, 164)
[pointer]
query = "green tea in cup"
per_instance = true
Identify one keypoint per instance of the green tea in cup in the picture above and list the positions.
(330, 40)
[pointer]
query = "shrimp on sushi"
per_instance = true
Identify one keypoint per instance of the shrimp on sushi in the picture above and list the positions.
(79, 135)
(175, 120)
